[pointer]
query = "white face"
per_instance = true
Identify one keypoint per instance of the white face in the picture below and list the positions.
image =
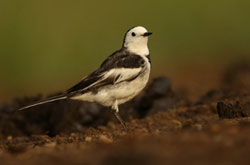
(136, 40)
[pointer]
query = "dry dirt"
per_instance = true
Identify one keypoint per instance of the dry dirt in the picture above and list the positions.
(168, 124)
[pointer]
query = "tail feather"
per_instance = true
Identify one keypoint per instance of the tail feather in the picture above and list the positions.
(56, 98)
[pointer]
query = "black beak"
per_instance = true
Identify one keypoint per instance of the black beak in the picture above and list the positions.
(147, 34)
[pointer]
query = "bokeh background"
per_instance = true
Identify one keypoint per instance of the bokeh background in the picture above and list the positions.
(47, 46)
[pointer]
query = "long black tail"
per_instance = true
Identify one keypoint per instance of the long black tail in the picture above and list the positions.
(56, 98)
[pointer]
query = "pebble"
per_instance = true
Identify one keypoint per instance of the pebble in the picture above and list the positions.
(50, 145)
(105, 139)
(88, 139)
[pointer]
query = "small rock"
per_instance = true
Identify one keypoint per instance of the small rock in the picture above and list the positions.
(105, 139)
(88, 139)
(230, 111)
(50, 145)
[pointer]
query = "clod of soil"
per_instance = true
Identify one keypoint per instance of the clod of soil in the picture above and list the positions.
(229, 111)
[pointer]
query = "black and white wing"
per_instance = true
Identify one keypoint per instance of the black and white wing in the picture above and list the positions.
(118, 67)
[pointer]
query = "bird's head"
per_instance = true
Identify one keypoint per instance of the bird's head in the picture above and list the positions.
(136, 40)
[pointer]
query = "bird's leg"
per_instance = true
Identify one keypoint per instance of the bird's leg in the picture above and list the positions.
(117, 115)
(115, 111)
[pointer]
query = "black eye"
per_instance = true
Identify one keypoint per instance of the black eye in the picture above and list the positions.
(133, 34)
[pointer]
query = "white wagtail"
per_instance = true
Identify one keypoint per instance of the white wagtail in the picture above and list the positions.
(119, 78)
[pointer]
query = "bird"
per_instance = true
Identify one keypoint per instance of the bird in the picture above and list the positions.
(120, 77)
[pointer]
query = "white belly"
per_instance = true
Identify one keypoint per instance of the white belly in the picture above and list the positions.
(120, 93)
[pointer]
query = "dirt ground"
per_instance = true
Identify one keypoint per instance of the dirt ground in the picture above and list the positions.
(199, 117)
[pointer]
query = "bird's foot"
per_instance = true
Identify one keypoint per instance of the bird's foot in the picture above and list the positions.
(118, 117)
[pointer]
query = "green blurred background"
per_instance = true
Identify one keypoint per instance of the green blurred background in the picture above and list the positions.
(48, 45)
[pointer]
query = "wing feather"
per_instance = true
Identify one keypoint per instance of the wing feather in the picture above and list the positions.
(118, 67)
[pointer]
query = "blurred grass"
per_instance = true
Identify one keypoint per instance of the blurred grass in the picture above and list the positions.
(47, 46)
